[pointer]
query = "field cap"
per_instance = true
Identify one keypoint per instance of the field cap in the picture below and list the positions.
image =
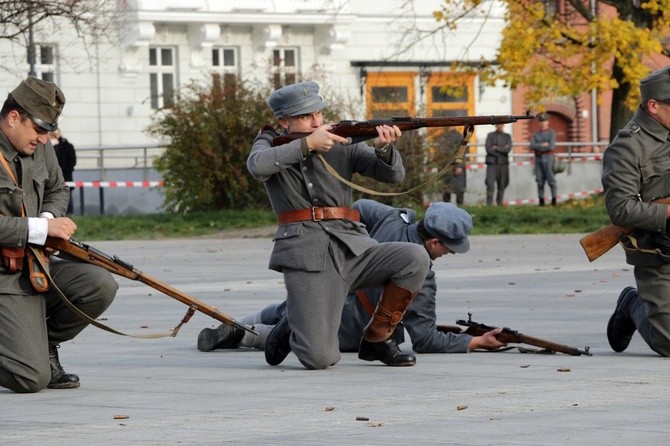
(449, 224)
(656, 86)
(42, 100)
(297, 99)
(543, 117)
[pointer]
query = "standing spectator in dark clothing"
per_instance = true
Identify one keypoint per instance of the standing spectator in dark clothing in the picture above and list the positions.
(455, 181)
(543, 143)
(67, 159)
(498, 145)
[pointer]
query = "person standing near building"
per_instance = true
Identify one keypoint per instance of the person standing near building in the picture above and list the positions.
(33, 322)
(455, 180)
(635, 174)
(320, 246)
(498, 146)
(543, 143)
(67, 159)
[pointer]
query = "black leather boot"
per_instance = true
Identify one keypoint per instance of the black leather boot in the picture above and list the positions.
(278, 345)
(553, 201)
(60, 379)
(541, 202)
(224, 336)
(386, 351)
(620, 328)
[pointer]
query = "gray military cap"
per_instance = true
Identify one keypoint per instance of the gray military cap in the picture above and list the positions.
(297, 99)
(449, 224)
(43, 101)
(656, 86)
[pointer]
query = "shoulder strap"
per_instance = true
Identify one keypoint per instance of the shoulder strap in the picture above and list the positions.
(16, 182)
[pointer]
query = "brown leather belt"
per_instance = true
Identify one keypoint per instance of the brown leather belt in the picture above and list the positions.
(318, 214)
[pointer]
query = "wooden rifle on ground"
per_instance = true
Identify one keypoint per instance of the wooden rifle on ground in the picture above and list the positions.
(117, 266)
(510, 336)
(599, 242)
(359, 131)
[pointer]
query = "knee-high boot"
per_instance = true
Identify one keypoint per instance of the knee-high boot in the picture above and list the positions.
(377, 342)
(389, 312)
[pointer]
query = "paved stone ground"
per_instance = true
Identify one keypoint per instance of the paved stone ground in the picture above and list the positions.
(167, 392)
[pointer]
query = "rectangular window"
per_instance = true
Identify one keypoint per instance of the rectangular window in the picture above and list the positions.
(162, 76)
(284, 66)
(45, 62)
(449, 95)
(225, 62)
(390, 94)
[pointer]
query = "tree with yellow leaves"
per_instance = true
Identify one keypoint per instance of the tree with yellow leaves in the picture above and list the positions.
(566, 48)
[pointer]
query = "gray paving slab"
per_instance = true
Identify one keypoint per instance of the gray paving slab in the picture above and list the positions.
(173, 394)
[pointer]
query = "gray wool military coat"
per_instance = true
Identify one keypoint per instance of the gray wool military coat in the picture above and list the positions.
(42, 190)
(296, 182)
(389, 224)
(636, 170)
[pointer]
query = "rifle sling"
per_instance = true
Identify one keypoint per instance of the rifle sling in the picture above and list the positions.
(173, 332)
(458, 159)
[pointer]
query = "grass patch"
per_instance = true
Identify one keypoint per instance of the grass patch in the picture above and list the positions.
(574, 216)
(157, 226)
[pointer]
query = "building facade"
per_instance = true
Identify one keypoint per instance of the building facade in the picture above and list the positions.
(371, 58)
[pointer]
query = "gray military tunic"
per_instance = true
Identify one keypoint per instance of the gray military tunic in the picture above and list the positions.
(544, 161)
(323, 260)
(636, 171)
(30, 322)
(388, 224)
(498, 145)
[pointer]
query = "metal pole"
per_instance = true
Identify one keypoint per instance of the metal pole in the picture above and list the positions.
(31, 41)
(595, 136)
(82, 206)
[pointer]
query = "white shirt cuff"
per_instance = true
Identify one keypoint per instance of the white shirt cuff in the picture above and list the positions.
(38, 228)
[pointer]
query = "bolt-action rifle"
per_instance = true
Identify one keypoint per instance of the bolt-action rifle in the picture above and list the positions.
(359, 131)
(117, 266)
(510, 336)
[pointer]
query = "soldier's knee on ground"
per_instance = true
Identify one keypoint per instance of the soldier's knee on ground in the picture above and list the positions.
(660, 344)
(318, 361)
(31, 383)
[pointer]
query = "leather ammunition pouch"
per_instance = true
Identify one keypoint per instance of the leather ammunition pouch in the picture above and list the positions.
(646, 249)
(12, 259)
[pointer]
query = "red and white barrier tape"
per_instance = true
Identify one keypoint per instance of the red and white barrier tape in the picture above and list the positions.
(99, 184)
(477, 166)
(559, 197)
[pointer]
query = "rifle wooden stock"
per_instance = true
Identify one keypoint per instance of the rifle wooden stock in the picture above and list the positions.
(117, 266)
(510, 336)
(360, 131)
(599, 242)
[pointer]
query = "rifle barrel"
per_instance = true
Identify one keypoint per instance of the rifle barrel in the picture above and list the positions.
(360, 131)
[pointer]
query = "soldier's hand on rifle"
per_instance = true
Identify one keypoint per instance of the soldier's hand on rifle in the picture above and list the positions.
(387, 135)
(61, 227)
(321, 140)
(487, 341)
